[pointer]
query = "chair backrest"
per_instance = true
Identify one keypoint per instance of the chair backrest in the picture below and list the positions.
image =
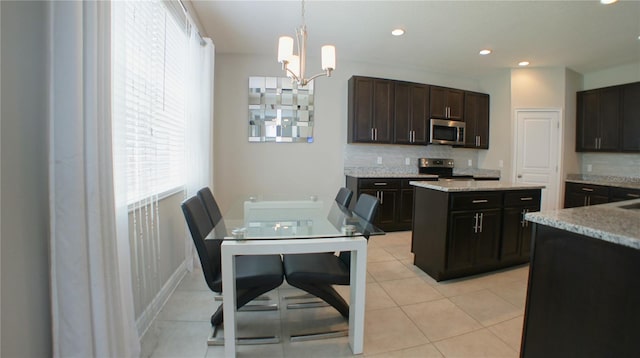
(215, 215)
(344, 196)
(210, 204)
(208, 250)
(366, 207)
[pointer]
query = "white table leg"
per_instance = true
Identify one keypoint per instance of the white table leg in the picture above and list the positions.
(357, 300)
(229, 300)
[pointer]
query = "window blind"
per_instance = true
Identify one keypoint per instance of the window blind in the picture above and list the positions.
(149, 85)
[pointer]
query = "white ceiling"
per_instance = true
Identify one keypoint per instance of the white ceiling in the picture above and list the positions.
(441, 36)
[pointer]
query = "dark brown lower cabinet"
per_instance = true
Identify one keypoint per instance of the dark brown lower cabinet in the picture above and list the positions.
(458, 234)
(395, 197)
(582, 297)
(579, 194)
(516, 231)
(474, 238)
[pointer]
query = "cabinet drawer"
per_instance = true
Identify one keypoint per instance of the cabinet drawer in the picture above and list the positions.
(588, 189)
(522, 198)
(373, 183)
(476, 200)
(620, 194)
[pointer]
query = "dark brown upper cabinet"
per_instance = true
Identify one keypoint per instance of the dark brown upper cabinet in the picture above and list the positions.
(370, 110)
(476, 118)
(598, 124)
(399, 112)
(446, 103)
(630, 121)
(411, 122)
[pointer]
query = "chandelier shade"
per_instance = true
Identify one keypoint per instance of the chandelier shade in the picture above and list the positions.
(294, 65)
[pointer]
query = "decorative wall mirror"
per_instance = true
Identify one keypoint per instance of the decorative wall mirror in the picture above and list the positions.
(279, 110)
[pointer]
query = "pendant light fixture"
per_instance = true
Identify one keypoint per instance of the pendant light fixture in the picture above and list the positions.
(295, 65)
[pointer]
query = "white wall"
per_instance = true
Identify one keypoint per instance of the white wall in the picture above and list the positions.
(296, 168)
(26, 313)
(498, 85)
(570, 159)
(612, 76)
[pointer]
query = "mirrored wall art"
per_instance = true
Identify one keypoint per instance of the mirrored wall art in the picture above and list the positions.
(280, 111)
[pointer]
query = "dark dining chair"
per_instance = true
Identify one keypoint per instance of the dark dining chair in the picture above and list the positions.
(344, 197)
(215, 215)
(255, 274)
(316, 273)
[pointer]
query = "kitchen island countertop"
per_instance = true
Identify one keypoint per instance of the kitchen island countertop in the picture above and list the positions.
(608, 222)
(462, 186)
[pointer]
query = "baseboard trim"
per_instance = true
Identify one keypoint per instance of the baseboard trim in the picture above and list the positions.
(153, 309)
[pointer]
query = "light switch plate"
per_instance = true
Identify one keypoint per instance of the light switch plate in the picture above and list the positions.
(407, 161)
(470, 162)
(589, 167)
(379, 160)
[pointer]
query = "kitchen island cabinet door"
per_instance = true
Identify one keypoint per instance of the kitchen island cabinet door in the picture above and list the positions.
(474, 239)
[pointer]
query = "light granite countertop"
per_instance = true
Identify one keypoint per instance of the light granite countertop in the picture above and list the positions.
(412, 172)
(620, 182)
(393, 175)
(461, 186)
(608, 222)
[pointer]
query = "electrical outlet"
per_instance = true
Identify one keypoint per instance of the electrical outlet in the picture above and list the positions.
(501, 163)
(379, 160)
(470, 162)
(407, 161)
(589, 167)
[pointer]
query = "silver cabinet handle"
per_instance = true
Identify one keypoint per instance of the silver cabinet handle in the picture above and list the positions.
(481, 217)
(380, 184)
(587, 189)
(381, 198)
(528, 198)
(475, 224)
(633, 195)
(588, 201)
(376, 133)
(372, 135)
(585, 201)
(478, 201)
(524, 222)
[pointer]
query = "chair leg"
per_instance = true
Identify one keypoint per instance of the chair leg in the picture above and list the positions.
(326, 293)
(214, 340)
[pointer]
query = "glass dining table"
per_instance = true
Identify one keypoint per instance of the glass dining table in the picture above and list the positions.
(259, 225)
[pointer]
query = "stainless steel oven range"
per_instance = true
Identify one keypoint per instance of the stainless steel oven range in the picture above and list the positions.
(443, 168)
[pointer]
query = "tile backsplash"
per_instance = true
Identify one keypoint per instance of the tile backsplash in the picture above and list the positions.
(616, 164)
(395, 156)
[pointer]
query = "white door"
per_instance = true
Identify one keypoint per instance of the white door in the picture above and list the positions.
(537, 152)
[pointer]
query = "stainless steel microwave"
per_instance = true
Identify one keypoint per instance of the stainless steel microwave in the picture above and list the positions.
(446, 132)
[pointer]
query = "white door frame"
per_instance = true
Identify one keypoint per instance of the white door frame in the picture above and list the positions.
(560, 147)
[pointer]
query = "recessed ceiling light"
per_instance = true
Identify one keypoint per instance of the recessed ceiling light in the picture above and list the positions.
(485, 52)
(523, 63)
(397, 32)
(608, 2)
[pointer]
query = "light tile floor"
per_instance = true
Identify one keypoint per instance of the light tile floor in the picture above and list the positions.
(408, 314)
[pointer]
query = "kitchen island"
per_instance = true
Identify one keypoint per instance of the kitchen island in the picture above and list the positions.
(462, 228)
(583, 297)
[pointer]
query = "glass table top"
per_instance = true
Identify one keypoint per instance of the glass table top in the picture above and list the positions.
(263, 218)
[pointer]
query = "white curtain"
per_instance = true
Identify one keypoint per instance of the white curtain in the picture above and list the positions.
(92, 301)
(199, 128)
